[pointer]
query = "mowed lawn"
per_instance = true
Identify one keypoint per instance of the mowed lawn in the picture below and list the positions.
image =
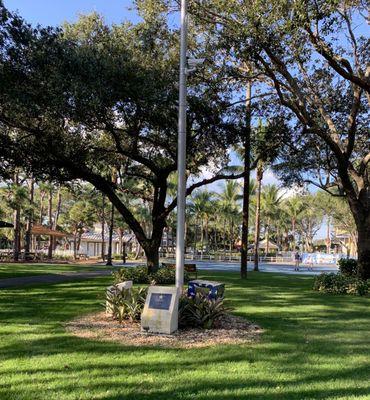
(13, 270)
(314, 347)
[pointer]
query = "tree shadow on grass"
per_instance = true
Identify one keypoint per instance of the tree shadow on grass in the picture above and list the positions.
(314, 347)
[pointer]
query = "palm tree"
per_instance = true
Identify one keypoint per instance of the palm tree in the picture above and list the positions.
(283, 228)
(257, 228)
(15, 198)
(270, 202)
(201, 206)
(27, 239)
(229, 204)
(294, 207)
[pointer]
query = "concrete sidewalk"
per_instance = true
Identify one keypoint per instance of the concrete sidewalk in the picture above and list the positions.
(266, 267)
(52, 278)
(228, 266)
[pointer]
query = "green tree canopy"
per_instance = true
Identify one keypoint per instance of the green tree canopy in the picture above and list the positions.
(89, 98)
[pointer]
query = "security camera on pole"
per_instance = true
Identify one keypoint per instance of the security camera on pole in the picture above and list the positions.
(186, 66)
(160, 314)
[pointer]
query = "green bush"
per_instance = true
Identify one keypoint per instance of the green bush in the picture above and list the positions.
(167, 276)
(200, 311)
(358, 287)
(139, 274)
(347, 266)
(341, 284)
(125, 304)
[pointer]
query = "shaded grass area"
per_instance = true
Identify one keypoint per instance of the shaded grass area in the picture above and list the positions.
(13, 270)
(314, 347)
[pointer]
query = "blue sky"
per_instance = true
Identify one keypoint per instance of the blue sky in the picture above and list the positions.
(46, 12)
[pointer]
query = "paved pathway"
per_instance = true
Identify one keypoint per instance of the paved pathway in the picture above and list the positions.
(264, 267)
(52, 278)
(202, 265)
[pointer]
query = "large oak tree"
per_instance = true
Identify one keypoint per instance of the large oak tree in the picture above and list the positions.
(314, 55)
(82, 101)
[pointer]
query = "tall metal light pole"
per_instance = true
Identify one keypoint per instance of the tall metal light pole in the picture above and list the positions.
(181, 153)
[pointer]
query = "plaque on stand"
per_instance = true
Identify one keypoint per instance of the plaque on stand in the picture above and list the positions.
(160, 314)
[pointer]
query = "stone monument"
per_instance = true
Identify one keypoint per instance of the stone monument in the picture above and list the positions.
(160, 314)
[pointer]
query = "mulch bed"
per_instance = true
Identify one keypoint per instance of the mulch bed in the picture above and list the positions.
(230, 330)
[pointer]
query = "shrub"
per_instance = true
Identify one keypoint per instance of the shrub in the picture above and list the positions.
(347, 266)
(167, 276)
(200, 311)
(358, 287)
(126, 304)
(139, 274)
(341, 284)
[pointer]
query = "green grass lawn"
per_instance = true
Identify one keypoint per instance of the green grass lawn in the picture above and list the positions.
(14, 270)
(314, 347)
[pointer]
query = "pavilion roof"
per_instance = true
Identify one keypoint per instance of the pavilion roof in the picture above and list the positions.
(272, 245)
(97, 237)
(43, 230)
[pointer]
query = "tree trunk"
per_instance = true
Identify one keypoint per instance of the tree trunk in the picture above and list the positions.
(293, 232)
(75, 246)
(120, 233)
(152, 258)
(50, 217)
(27, 242)
(103, 229)
(224, 239)
(363, 249)
(201, 238)
(245, 222)
(267, 238)
(328, 241)
(231, 238)
(258, 216)
(41, 216)
(195, 239)
(57, 214)
(57, 210)
(17, 224)
(111, 227)
(215, 240)
(206, 236)
(123, 252)
(79, 239)
(167, 243)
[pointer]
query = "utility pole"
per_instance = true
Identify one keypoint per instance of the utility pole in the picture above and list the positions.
(259, 177)
(247, 156)
(181, 153)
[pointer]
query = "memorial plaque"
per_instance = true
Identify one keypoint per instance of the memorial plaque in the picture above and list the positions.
(160, 314)
(160, 301)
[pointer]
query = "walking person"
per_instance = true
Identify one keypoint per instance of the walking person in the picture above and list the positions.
(310, 263)
(297, 260)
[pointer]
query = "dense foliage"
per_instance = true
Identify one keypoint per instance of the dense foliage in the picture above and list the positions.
(139, 274)
(200, 311)
(309, 61)
(99, 103)
(197, 312)
(125, 304)
(348, 266)
(341, 284)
